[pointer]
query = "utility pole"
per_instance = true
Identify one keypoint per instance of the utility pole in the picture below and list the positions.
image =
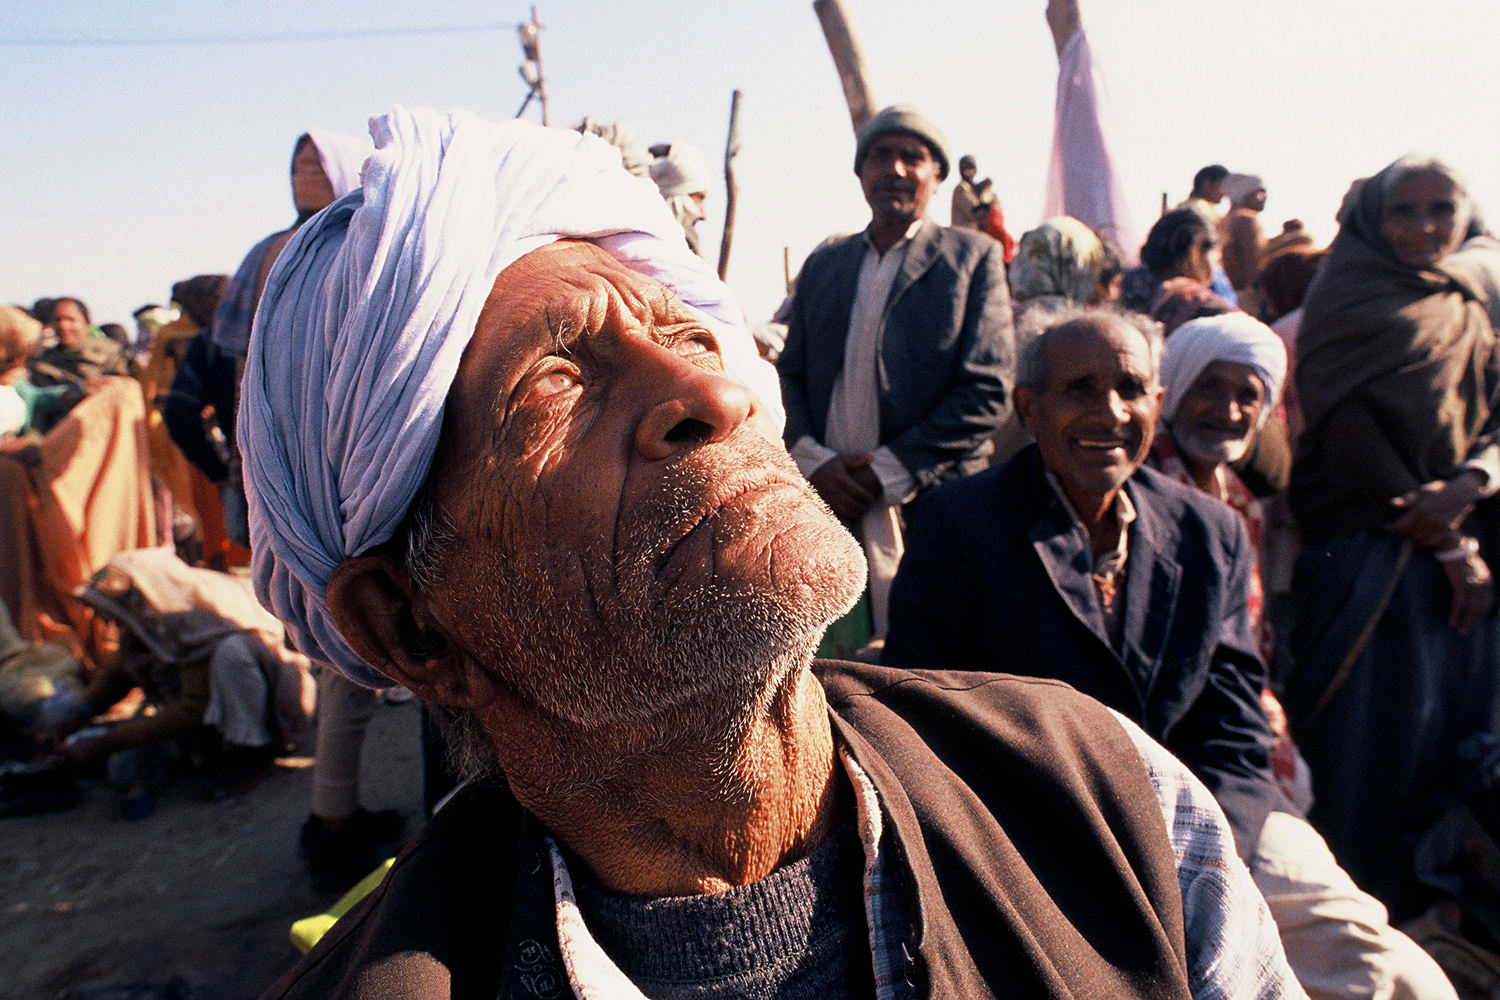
(732, 189)
(531, 68)
(848, 58)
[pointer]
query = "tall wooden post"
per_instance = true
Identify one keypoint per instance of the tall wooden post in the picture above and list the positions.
(731, 187)
(531, 68)
(848, 58)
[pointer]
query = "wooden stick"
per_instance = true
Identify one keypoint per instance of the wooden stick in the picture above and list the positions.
(1164, 203)
(786, 267)
(848, 58)
(731, 188)
(541, 77)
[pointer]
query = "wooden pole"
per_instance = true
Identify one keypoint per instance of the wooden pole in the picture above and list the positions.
(786, 267)
(848, 58)
(1164, 203)
(541, 77)
(531, 49)
(731, 188)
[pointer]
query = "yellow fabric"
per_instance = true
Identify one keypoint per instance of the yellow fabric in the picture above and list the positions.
(309, 930)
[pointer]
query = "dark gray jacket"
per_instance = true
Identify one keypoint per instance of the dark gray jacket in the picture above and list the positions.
(947, 353)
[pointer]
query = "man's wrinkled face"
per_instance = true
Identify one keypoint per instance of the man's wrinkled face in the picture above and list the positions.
(630, 535)
(1094, 419)
(1421, 218)
(1217, 417)
(899, 177)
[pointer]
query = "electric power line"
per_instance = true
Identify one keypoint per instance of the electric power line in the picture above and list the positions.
(307, 36)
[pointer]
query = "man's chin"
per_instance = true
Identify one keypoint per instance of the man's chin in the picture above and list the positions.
(786, 549)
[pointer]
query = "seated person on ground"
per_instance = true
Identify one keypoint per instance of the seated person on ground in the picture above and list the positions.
(197, 667)
(1074, 561)
(571, 522)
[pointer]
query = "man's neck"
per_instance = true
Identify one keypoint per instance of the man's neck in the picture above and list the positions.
(887, 232)
(1099, 515)
(682, 823)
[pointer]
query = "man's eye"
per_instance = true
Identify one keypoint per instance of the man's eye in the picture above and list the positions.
(554, 382)
(688, 348)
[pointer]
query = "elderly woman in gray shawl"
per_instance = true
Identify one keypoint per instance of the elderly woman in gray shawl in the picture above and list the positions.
(1397, 645)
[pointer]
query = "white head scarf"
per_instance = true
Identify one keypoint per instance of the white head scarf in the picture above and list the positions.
(1234, 336)
(682, 171)
(342, 157)
(1241, 186)
(370, 306)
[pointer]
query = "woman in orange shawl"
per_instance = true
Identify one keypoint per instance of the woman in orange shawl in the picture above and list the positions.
(68, 501)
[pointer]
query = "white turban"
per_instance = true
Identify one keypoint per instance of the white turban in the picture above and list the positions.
(369, 308)
(1241, 186)
(342, 157)
(1234, 336)
(682, 171)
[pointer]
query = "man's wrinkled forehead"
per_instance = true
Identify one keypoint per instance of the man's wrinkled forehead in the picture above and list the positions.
(549, 298)
(1077, 337)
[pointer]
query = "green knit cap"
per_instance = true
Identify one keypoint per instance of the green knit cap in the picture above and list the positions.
(902, 118)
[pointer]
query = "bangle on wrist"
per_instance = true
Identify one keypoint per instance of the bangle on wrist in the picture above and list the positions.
(1467, 546)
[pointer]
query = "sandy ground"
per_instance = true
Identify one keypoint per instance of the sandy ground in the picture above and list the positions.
(192, 903)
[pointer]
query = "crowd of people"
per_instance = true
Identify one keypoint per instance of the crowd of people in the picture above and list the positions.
(1239, 497)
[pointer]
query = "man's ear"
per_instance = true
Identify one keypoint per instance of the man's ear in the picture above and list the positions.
(371, 600)
(1025, 401)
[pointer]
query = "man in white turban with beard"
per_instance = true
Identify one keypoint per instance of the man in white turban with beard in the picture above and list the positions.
(508, 444)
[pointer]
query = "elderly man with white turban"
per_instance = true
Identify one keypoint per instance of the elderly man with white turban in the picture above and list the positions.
(1223, 377)
(508, 443)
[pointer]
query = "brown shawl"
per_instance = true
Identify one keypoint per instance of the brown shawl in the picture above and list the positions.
(1396, 370)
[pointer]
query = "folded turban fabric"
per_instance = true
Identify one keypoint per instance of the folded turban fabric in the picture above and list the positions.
(1241, 186)
(682, 171)
(1061, 257)
(366, 314)
(634, 155)
(342, 157)
(1236, 337)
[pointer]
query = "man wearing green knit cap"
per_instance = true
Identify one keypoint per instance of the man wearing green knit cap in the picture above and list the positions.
(899, 356)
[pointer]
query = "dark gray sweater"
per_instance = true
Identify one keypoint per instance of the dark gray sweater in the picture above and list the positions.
(797, 935)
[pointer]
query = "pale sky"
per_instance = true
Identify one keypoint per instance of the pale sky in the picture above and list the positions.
(126, 168)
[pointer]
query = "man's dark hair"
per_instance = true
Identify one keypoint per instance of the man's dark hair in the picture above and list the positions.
(41, 310)
(199, 296)
(1173, 237)
(1211, 174)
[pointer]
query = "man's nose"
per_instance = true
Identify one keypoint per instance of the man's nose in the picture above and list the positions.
(1118, 411)
(692, 406)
